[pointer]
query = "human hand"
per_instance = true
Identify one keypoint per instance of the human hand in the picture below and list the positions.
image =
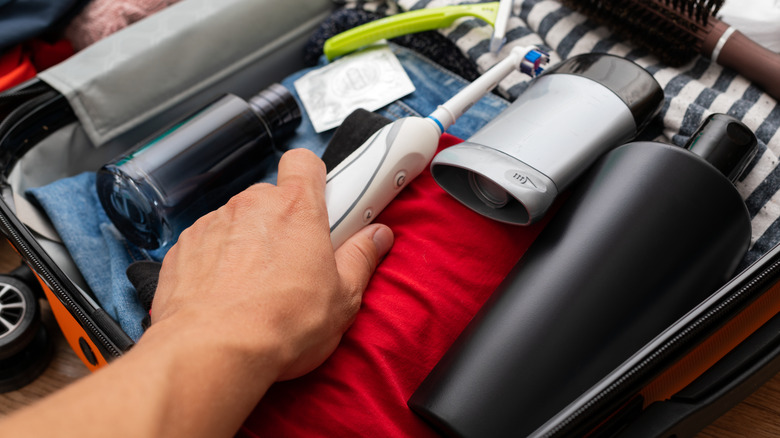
(250, 294)
(260, 274)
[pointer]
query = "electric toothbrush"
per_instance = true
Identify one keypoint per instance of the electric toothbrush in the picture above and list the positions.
(362, 185)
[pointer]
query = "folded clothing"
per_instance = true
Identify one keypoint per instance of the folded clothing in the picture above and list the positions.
(101, 18)
(21, 20)
(15, 68)
(24, 61)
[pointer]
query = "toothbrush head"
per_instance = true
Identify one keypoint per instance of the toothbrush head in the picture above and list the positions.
(533, 62)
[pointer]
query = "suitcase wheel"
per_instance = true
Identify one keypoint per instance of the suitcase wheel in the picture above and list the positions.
(25, 348)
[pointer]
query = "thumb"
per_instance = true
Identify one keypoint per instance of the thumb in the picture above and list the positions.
(358, 257)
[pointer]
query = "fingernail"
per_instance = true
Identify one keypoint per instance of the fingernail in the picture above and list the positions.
(383, 240)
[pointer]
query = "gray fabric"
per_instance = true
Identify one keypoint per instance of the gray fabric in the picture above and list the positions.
(182, 57)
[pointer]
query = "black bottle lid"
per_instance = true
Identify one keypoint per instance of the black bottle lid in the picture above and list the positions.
(726, 143)
(277, 108)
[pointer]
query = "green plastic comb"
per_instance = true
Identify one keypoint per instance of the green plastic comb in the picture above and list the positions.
(405, 23)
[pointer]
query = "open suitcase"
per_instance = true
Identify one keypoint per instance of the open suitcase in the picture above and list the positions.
(679, 382)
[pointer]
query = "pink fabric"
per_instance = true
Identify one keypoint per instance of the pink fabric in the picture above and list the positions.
(101, 18)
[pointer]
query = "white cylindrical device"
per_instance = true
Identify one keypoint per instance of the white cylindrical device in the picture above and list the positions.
(513, 168)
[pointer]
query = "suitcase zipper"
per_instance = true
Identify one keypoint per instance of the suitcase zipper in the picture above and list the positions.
(82, 317)
(634, 379)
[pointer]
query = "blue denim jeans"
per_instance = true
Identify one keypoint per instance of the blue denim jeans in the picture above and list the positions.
(103, 255)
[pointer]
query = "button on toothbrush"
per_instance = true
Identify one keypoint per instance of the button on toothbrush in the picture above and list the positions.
(362, 185)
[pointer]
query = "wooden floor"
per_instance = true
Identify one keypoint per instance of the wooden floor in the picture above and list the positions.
(758, 416)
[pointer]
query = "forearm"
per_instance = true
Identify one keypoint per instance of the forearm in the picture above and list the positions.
(171, 384)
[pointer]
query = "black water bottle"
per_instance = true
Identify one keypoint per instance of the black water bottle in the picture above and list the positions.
(648, 233)
(161, 187)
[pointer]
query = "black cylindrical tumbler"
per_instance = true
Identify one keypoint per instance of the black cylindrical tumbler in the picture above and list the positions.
(650, 231)
(161, 187)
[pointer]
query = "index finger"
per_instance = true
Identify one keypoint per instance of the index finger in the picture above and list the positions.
(303, 168)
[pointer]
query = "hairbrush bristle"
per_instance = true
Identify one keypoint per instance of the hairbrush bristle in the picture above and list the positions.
(673, 30)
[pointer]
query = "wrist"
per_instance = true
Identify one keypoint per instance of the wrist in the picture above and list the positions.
(197, 363)
(187, 336)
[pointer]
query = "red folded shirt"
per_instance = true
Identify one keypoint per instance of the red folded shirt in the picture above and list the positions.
(24, 61)
(15, 68)
(445, 263)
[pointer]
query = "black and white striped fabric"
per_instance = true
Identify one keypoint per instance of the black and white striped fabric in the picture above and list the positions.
(692, 92)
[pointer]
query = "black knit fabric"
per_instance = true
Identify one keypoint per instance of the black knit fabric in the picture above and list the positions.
(431, 44)
(144, 275)
(352, 133)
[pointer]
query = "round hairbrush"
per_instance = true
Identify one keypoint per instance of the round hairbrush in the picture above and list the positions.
(676, 31)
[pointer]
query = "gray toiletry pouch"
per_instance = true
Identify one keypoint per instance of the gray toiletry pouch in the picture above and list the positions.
(181, 58)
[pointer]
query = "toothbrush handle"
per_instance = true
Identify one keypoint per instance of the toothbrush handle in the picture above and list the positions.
(526, 59)
(359, 188)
